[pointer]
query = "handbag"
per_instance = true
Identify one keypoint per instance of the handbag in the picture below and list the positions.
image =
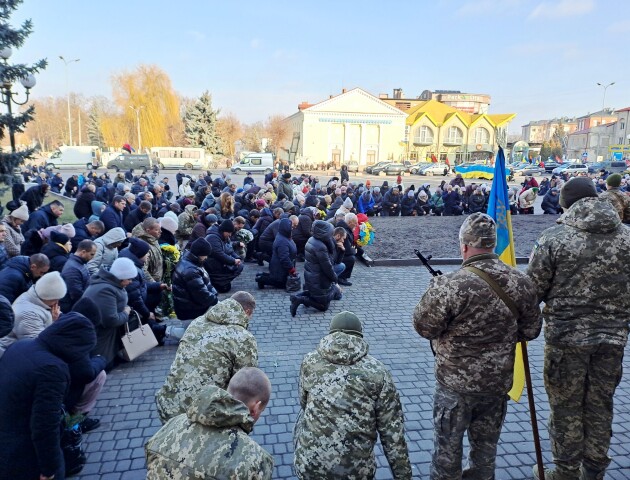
(294, 283)
(138, 341)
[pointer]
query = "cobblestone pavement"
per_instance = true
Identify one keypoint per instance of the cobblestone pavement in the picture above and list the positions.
(384, 297)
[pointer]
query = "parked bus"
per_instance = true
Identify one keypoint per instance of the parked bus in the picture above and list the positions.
(181, 157)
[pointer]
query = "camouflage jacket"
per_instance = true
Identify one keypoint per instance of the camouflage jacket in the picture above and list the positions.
(473, 331)
(214, 347)
(620, 200)
(347, 397)
(186, 221)
(209, 441)
(581, 268)
(154, 264)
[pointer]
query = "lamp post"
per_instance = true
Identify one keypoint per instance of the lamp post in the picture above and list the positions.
(605, 87)
(137, 110)
(66, 63)
(8, 96)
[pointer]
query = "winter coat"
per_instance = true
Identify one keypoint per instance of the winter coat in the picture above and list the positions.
(112, 218)
(214, 347)
(77, 278)
(265, 242)
(105, 290)
(551, 203)
(266, 218)
(303, 231)
(341, 384)
(16, 278)
(7, 317)
(221, 264)
(34, 198)
(134, 218)
(318, 269)
(34, 378)
(436, 201)
(527, 198)
(452, 202)
(186, 221)
(284, 253)
(208, 202)
(138, 289)
(105, 254)
(57, 254)
(80, 233)
(348, 243)
(193, 294)
(214, 422)
(96, 210)
(407, 206)
(378, 199)
(31, 317)
(389, 200)
(83, 205)
(476, 203)
(154, 264)
(42, 218)
(285, 187)
(365, 203)
(14, 239)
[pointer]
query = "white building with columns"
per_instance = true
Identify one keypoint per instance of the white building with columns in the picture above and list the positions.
(354, 126)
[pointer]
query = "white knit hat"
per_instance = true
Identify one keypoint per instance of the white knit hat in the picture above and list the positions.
(20, 213)
(169, 224)
(123, 269)
(172, 215)
(51, 287)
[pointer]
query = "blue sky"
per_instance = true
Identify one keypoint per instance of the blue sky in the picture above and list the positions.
(537, 59)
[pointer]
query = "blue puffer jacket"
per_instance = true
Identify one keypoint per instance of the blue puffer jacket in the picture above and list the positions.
(193, 294)
(16, 278)
(112, 218)
(318, 269)
(42, 218)
(77, 278)
(284, 253)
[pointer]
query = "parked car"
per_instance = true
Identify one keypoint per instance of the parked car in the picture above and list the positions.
(550, 165)
(379, 165)
(140, 162)
(571, 168)
(611, 167)
(416, 168)
(434, 169)
(353, 166)
(527, 169)
(395, 169)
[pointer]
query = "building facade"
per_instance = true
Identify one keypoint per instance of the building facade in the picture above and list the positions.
(540, 131)
(473, 103)
(591, 144)
(620, 146)
(354, 126)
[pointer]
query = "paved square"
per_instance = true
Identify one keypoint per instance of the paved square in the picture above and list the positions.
(384, 298)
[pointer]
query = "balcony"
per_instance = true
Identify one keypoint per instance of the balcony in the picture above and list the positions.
(422, 142)
(453, 141)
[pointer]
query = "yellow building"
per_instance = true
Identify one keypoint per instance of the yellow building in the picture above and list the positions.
(436, 129)
(354, 126)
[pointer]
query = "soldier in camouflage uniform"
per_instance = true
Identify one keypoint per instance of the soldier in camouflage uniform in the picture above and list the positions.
(211, 439)
(581, 268)
(213, 348)
(474, 334)
(347, 397)
(620, 200)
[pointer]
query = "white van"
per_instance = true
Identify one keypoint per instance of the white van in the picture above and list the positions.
(254, 163)
(74, 157)
(181, 157)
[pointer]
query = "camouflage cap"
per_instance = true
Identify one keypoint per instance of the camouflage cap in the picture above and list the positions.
(478, 230)
(346, 322)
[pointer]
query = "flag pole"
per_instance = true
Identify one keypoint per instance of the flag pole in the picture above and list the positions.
(532, 412)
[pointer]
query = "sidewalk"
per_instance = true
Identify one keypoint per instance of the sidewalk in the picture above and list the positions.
(384, 298)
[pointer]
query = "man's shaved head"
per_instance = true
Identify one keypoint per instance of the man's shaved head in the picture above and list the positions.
(250, 384)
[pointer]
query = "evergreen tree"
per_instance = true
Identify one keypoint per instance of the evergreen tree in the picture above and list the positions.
(200, 125)
(95, 136)
(13, 38)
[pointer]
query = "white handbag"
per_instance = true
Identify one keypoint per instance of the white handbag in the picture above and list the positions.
(138, 341)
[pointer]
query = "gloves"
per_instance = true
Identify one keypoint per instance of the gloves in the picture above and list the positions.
(292, 271)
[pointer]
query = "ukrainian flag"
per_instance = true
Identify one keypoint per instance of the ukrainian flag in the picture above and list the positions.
(499, 209)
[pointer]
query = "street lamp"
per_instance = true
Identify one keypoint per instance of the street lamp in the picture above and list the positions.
(66, 63)
(137, 110)
(8, 97)
(605, 87)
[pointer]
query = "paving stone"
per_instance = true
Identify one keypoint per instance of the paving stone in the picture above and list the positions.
(384, 297)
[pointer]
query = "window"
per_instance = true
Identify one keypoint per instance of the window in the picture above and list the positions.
(371, 156)
(423, 135)
(256, 161)
(482, 135)
(455, 136)
(622, 125)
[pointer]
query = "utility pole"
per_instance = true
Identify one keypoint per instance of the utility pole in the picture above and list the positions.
(137, 110)
(66, 63)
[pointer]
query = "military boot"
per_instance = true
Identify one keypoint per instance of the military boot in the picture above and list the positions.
(296, 301)
(551, 474)
(590, 474)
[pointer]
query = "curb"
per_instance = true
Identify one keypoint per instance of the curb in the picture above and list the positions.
(415, 262)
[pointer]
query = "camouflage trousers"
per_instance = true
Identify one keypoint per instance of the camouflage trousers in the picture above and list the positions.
(454, 414)
(580, 383)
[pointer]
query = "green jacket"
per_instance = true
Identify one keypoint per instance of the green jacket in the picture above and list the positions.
(210, 441)
(214, 347)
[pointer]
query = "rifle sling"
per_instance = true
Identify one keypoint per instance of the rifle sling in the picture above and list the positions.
(497, 289)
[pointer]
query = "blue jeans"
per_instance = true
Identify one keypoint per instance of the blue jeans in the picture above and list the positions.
(339, 268)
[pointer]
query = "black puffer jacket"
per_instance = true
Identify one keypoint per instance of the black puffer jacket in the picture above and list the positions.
(193, 294)
(319, 251)
(57, 254)
(303, 231)
(138, 289)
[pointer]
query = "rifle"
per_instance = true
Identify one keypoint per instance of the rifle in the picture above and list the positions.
(425, 262)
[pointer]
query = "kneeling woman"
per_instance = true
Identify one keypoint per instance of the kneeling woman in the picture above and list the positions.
(283, 257)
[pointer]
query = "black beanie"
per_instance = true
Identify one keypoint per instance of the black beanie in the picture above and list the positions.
(226, 226)
(200, 248)
(58, 237)
(576, 189)
(138, 247)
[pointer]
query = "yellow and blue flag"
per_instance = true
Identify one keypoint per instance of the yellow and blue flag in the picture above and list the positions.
(499, 209)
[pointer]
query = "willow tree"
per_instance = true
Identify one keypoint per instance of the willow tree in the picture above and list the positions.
(149, 89)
